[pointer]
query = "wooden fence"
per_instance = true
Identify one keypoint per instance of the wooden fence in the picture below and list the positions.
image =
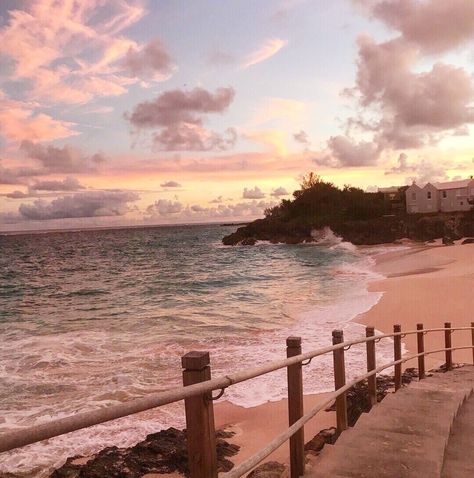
(198, 399)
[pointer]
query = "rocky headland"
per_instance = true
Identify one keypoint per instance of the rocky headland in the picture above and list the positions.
(356, 216)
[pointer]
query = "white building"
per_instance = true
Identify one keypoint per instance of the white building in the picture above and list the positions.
(440, 197)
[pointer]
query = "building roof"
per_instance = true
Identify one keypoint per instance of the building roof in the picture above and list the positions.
(391, 189)
(463, 183)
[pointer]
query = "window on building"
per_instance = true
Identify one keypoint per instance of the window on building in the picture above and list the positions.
(462, 203)
(445, 194)
(458, 192)
(428, 194)
(413, 196)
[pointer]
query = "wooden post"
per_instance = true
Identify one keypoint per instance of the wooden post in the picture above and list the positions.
(295, 407)
(339, 380)
(447, 345)
(371, 364)
(421, 348)
(472, 339)
(200, 430)
(397, 352)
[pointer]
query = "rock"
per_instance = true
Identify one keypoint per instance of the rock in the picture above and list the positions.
(469, 240)
(447, 241)
(160, 453)
(271, 469)
(326, 436)
(358, 396)
(248, 241)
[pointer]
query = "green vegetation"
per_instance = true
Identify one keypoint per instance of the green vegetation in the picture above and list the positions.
(320, 203)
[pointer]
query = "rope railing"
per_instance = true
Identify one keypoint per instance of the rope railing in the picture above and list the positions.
(198, 388)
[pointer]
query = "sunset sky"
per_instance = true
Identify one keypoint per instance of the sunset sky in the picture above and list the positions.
(116, 112)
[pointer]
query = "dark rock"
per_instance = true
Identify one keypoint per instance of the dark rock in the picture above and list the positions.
(248, 241)
(358, 396)
(469, 240)
(162, 452)
(448, 241)
(271, 469)
(326, 436)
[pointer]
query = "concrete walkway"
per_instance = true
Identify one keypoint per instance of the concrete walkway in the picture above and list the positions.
(406, 435)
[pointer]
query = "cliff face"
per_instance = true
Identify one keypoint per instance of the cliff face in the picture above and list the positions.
(379, 230)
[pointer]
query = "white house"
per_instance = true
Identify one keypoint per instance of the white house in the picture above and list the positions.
(440, 197)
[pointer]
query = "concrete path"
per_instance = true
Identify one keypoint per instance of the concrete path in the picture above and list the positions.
(406, 435)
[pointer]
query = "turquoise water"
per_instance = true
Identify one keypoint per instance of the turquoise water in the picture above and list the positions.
(91, 318)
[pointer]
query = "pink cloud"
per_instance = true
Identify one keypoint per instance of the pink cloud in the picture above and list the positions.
(435, 26)
(72, 52)
(151, 61)
(264, 52)
(179, 114)
(19, 121)
(414, 106)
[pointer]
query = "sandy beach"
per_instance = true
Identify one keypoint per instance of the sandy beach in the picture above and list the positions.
(423, 284)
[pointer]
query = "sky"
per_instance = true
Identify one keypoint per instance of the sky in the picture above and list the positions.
(130, 112)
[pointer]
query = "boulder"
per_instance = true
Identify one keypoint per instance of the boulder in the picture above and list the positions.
(271, 469)
(448, 241)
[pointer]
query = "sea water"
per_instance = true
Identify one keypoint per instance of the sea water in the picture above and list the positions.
(94, 318)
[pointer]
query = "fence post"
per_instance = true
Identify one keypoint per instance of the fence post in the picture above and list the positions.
(340, 380)
(472, 339)
(397, 352)
(200, 430)
(421, 348)
(295, 407)
(371, 381)
(447, 345)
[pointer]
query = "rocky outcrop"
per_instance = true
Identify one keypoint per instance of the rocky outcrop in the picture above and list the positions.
(379, 230)
(160, 453)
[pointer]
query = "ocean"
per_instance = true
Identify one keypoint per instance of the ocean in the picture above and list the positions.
(96, 317)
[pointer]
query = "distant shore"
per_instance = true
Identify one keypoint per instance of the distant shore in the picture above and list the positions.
(426, 284)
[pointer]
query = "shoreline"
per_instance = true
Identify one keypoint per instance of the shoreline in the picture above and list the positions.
(421, 283)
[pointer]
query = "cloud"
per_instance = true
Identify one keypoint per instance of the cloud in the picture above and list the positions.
(302, 137)
(179, 116)
(61, 160)
(151, 61)
(164, 207)
(86, 204)
(170, 184)
(274, 139)
(345, 152)
(164, 210)
(413, 107)
(255, 193)
(70, 52)
(217, 200)
(427, 171)
(17, 175)
(403, 166)
(433, 25)
(17, 195)
(264, 52)
(19, 121)
(279, 192)
(67, 184)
